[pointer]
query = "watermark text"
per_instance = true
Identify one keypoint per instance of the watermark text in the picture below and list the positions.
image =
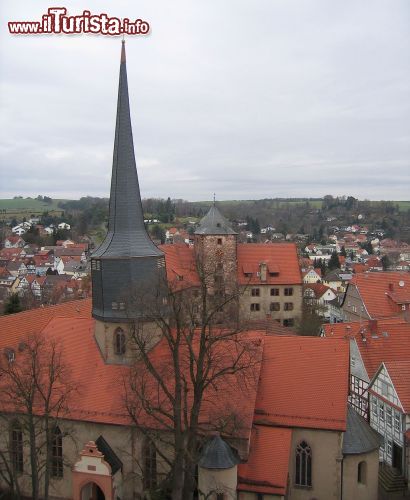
(56, 21)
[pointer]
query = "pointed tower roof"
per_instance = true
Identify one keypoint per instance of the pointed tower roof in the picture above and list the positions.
(214, 223)
(127, 261)
(126, 236)
(217, 454)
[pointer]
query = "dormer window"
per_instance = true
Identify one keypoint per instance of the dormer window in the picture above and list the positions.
(119, 342)
(10, 355)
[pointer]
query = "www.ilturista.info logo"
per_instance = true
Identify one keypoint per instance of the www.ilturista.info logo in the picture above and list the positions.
(57, 21)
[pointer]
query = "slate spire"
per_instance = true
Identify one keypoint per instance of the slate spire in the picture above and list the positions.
(126, 231)
(127, 259)
(214, 223)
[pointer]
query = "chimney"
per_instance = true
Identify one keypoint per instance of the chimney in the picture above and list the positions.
(373, 327)
(263, 270)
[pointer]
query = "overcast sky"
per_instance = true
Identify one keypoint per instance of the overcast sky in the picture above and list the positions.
(247, 99)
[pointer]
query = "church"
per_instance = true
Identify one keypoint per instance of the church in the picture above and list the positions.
(272, 421)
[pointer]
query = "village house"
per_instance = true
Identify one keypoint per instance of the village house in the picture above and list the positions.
(389, 395)
(377, 295)
(320, 296)
(337, 280)
(14, 242)
(379, 386)
(312, 276)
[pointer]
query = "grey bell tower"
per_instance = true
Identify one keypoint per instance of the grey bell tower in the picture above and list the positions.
(127, 260)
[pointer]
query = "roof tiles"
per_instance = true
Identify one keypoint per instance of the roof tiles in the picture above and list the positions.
(303, 383)
(266, 470)
(374, 288)
(281, 259)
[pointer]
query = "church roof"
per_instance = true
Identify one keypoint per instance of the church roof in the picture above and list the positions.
(126, 235)
(214, 223)
(266, 470)
(303, 383)
(100, 396)
(359, 436)
(217, 454)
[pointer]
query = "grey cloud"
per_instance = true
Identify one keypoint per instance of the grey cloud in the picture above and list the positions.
(269, 98)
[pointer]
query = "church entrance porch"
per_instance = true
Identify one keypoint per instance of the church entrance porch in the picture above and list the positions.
(92, 491)
(92, 475)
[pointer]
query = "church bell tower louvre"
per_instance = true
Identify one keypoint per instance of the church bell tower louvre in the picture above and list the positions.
(127, 261)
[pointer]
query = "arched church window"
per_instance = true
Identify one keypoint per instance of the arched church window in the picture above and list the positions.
(16, 446)
(303, 472)
(57, 453)
(119, 341)
(150, 464)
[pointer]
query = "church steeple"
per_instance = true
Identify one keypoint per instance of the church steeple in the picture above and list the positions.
(127, 257)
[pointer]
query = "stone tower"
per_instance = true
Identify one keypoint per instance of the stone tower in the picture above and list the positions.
(215, 245)
(127, 262)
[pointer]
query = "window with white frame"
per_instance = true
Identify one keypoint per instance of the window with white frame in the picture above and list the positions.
(389, 417)
(389, 448)
(397, 419)
(381, 411)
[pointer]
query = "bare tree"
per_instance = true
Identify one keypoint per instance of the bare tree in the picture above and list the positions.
(35, 387)
(187, 385)
(8, 475)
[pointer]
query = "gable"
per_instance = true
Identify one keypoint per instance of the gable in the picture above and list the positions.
(357, 367)
(383, 386)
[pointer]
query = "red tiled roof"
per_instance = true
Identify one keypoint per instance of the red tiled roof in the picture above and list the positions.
(266, 470)
(14, 239)
(374, 262)
(399, 372)
(374, 288)
(318, 288)
(100, 389)
(303, 383)
(180, 265)
(32, 277)
(376, 350)
(399, 296)
(9, 253)
(280, 257)
(15, 326)
(360, 268)
(82, 246)
(4, 272)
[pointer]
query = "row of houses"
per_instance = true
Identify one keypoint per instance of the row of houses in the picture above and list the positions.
(376, 313)
(25, 226)
(44, 274)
